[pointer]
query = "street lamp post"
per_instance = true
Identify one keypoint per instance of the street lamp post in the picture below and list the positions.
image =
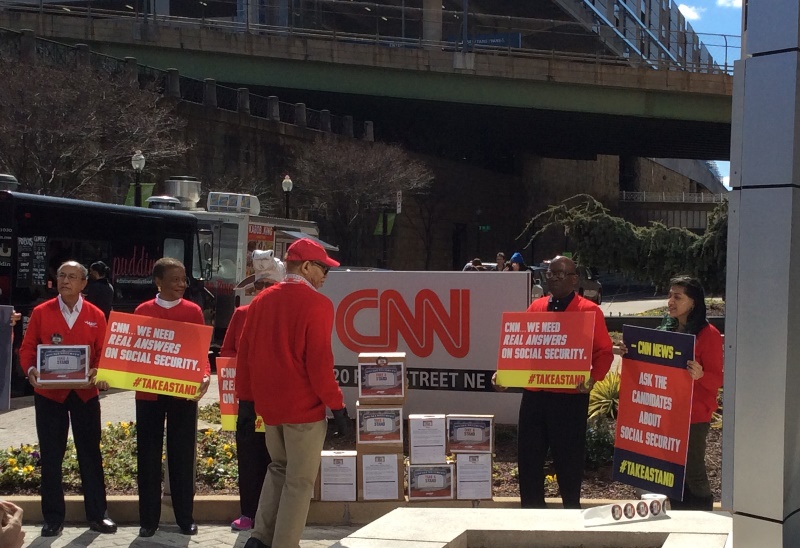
(137, 161)
(287, 189)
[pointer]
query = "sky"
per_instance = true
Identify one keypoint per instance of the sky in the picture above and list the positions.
(710, 18)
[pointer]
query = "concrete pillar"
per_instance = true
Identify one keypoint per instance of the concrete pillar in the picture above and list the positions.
(82, 55)
(210, 92)
(431, 21)
(761, 444)
(347, 126)
(173, 83)
(27, 46)
(369, 134)
(273, 109)
(325, 121)
(300, 115)
(243, 100)
(132, 71)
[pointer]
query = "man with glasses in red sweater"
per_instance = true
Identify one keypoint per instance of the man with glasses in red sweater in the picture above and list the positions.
(286, 362)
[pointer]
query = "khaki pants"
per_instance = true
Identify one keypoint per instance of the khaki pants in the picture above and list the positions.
(289, 485)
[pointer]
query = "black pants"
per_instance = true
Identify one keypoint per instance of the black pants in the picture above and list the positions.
(253, 457)
(52, 425)
(556, 421)
(181, 420)
(697, 493)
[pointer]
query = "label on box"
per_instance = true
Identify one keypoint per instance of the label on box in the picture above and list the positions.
(381, 425)
(470, 433)
(379, 477)
(381, 375)
(430, 481)
(474, 476)
(427, 439)
(338, 476)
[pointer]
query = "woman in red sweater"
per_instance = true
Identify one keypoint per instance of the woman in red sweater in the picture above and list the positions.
(687, 314)
(180, 415)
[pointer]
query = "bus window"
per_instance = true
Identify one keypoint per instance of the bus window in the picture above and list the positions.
(173, 248)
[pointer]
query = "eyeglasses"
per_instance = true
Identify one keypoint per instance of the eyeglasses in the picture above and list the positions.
(325, 268)
(558, 275)
(70, 277)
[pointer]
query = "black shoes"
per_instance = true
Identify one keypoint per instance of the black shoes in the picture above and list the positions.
(105, 525)
(253, 542)
(52, 530)
(190, 530)
(147, 531)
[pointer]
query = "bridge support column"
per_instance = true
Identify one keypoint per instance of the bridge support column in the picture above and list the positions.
(173, 83)
(431, 22)
(132, 71)
(27, 46)
(83, 55)
(300, 115)
(762, 377)
(273, 109)
(325, 120)
(243, 101)
(369, 131)
(347, 126)
(210, 92)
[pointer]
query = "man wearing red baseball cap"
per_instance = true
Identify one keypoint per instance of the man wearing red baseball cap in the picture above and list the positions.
(285, 365)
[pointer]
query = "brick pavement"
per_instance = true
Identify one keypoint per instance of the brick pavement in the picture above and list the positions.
(212, 535)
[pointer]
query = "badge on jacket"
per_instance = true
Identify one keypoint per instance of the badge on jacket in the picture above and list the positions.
(56, 338)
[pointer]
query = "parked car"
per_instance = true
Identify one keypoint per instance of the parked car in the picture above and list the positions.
(589, 286)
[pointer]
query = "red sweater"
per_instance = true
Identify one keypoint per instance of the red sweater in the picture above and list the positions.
(230, 346)
(46, 321)
(285, 361)
(185, 311)
(602, 347)
(708, 353)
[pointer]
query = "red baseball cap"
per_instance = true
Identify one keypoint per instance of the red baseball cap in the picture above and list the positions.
(309, 250)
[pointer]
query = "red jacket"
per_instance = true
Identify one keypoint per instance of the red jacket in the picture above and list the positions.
(602, 347)
(708, 353)
(285, 360)
(47, 321)
(230, 346)
(185, 311)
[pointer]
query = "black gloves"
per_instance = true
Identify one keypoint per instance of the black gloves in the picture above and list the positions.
(246, 420)
(342, 420)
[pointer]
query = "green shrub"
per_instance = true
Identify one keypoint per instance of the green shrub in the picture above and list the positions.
(604, 397)
(599, 442)
(210, 413)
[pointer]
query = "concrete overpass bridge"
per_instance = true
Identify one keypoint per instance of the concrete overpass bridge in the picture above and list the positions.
(484, 105)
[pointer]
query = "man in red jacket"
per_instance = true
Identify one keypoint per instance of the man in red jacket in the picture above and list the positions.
(285, 366)
(68, 319)
(555, 419)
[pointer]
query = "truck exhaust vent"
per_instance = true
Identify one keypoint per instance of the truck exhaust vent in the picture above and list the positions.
(229, 202)
(186, 189)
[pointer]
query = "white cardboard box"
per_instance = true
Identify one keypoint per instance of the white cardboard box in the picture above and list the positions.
(474, 476)
(470, 433)
(337, 477)
(379, 429)
(427, 439)
(430, 481)
(380, 477)
(382, 378)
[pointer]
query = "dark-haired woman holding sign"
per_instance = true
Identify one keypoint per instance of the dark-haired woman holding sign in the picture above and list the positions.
(686, 313)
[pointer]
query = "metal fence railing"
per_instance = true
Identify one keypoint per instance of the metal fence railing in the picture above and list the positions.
(673, 197)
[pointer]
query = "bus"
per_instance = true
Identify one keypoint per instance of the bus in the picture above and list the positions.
(38, 233)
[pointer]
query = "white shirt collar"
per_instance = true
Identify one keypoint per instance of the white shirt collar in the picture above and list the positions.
(166, 304)
(75, 310)
(297, 279)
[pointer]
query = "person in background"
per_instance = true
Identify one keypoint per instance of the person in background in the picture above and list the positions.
(11, 533)
(501, 262)
(516, 263)
(99, 290)
(686, 313)
(180, 414)
(475, 265)
(555, 419)
(70, 320)
(286, 362)
(251, 449)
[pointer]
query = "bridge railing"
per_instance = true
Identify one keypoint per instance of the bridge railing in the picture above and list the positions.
(188, 89)
(393, 26)
(673, 197)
